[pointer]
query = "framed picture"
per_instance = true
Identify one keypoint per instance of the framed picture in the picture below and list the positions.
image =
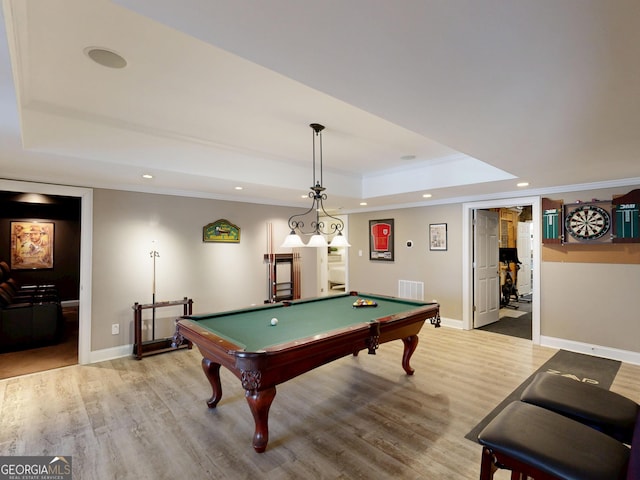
(381, 240)
(221, 231)
(31, 245)
(437, 236)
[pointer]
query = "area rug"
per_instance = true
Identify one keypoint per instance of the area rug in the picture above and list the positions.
(513, 327)
(596, 370)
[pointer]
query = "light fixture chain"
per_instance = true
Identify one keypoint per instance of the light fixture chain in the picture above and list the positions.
(321, 179)
(317, 196)
(313, 140)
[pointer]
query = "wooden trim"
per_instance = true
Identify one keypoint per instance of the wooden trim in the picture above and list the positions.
(617, 253)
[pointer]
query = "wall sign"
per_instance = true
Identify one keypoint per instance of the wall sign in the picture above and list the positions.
(221, 231)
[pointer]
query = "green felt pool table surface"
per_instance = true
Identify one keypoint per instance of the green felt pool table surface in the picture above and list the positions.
(251, 328)
(309, 333)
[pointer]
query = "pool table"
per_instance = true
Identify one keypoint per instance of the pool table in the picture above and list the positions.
(308, 333)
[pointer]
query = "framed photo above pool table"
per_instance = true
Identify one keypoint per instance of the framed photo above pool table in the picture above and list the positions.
(270, 344)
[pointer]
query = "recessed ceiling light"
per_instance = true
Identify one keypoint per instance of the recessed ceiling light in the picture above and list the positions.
(427, 195)
(523, 184)
(363, 204)
(239, 188)
(105, 57)
(304, 196)
(408, 157)
(147, 176)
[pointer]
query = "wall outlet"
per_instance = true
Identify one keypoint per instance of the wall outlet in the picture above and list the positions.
(115, 329)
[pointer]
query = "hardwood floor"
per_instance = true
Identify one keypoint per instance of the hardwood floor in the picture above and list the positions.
(358, 417)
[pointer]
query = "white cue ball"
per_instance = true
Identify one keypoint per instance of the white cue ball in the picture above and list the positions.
(274, 321)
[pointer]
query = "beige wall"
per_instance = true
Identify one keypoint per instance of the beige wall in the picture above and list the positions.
(441, 271)
(217, 276)
(589, 293)
(591, 303)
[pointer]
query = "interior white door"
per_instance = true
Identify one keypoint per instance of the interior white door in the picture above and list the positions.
(525, 230)
(486, 290)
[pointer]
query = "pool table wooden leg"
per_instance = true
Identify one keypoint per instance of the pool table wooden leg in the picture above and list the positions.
(259, 404)
(212, 371)
(410, 345)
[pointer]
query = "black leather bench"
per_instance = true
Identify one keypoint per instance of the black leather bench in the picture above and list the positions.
(596, 407)
(536, 442)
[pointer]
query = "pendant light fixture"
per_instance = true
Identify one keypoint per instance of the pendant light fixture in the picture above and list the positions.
(316, 226)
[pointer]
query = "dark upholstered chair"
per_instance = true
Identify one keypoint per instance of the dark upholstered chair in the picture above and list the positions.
(5, 277)
(539, 443)
(28, 321)
(599, 408)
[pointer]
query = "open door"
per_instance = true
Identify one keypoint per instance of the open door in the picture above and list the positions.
(486, 272)
(525, 232)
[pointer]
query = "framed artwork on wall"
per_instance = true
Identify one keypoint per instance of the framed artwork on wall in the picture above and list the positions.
(381, 239)
(31, 245)
(437, 236)
(221, 231)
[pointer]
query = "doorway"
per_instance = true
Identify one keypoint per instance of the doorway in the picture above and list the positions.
(86, 233)
(468, 274)
(333, 264)
(502, 257)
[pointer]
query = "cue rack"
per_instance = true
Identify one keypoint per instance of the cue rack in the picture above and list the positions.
(151, 347)
(282, 283)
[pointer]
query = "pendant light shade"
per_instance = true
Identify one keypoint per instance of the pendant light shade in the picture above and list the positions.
(317, 241)
(339, 241)
(292, 240)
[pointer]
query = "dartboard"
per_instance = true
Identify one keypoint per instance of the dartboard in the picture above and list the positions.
(587, 222)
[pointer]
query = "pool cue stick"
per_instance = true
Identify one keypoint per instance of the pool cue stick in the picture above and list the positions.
(296, 292)
(273, 266)
(270, 272)
(154, 254)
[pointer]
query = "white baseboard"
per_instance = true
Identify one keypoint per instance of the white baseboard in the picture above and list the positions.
(111, 353)
(600, 351)
(451, 323)
(560, 343)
